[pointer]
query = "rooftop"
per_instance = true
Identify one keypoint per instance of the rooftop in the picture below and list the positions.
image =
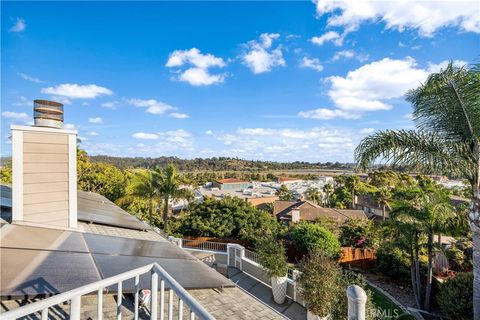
(310, 211)
(231, 180)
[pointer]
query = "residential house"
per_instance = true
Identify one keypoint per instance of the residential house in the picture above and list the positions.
(296, 211)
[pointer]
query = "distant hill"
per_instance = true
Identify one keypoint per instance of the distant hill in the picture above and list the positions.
(219, 164)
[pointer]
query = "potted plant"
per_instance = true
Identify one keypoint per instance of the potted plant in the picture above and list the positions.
(271, 254)
(319, 282)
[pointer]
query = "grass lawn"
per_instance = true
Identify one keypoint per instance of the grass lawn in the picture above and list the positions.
(386, 307)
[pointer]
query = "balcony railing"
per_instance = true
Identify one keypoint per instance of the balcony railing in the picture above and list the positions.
(204, 245)
(155, 271)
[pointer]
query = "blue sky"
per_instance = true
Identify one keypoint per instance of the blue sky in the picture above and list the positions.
(281, 81)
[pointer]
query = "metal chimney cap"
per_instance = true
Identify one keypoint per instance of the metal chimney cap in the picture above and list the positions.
(48, 113)
(48, 103)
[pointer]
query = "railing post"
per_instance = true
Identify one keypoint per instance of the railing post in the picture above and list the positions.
(137, 291)
(75, 303)
(177, 241)
(153, 300)
(100, 304)
(119, 301)
(357, 299)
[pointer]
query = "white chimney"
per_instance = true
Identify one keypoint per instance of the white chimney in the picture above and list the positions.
(44, 169)
(295, 213)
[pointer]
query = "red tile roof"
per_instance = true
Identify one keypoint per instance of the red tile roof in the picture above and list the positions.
(281, 179)
(231, 180)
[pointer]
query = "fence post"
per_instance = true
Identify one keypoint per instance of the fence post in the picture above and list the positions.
(177, 241)
(357, 299)
(238, 255)
(295, 274)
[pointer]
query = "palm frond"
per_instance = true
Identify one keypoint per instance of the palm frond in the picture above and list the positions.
(448, 103)
(423, 151)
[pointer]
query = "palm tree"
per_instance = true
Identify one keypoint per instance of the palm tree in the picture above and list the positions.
(284, 194)
(407, 235)
(314, 195)
(447, 116)
(428, 214)
(383, 195)
(169, 189)
(327, 190)
(144, 185)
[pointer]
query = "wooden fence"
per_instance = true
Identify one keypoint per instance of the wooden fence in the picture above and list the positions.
(358, 258)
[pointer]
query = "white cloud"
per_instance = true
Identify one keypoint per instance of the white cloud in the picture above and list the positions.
(23, 102)
(28, 77)
(332, 36)
(76, 91)
(343, 54)
(367, 130)
(109, 104)
(93, 133)
(175, 142)
(199, 74)
(96, 120)
(348, 54)
(18, 26)
(436, 67)
(69, 126)
(200, 77)
(311, 64)
(209, 132)
(194, 57)
(371, 86)
(145, 136)
(289, 144)
(153, 106)
(15, 115)
(178, 115)
(426, 16)
(259, 56)
(327, 114)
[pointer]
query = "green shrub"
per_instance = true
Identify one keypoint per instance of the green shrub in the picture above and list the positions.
(307, 236)
(358, 233)
(393, 262)
(324, 286)
(455, 297)
(271, 254)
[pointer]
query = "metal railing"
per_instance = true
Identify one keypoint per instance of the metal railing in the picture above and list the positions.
(251, 255)
(204, 245)
(155, 271)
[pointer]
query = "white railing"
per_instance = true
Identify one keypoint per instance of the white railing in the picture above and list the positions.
(250, 255)
(155, 271)
(204, 245)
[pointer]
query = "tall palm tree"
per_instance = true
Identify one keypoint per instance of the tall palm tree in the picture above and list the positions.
(144, 185)
(447, 116)
(429, 213)
(314, 195)
(327, 190)
(407, 235)
(169, 188)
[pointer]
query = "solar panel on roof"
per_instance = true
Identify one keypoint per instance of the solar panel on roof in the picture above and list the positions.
(25, 237)
(39, 261)
(33, 272)
(95, 208)
(91, 207)
(5, 196)
(133, 247)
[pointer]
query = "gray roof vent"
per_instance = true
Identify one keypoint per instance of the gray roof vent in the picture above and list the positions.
(48, 114)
